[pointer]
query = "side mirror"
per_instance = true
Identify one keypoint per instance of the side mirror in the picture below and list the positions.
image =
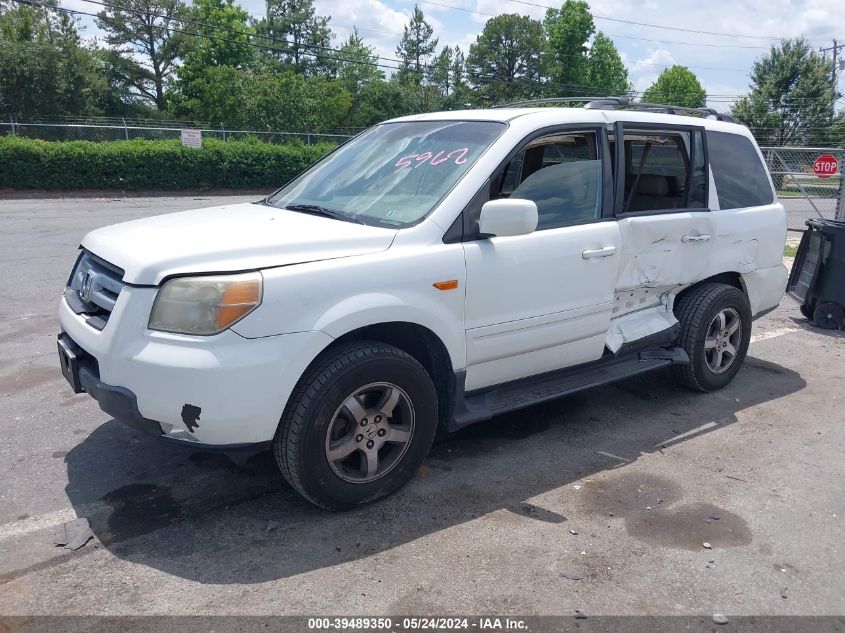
(508, 216)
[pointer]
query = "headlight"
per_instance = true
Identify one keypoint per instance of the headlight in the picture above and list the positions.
(205, 305)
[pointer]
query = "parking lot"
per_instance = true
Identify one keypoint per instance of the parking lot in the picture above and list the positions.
(598, 503)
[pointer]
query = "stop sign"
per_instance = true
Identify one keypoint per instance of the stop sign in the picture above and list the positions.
(825, 166)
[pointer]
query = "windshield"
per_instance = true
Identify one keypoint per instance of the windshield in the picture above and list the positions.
(393, 174)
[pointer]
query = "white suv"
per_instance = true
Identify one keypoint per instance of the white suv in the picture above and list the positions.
(431, 273)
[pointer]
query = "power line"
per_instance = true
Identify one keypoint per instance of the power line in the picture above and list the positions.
(465, 75)
(468, 75)
(657, 26)
(477, 78)
(644, 39)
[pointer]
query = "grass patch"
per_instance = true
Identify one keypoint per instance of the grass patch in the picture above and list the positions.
(789, 251)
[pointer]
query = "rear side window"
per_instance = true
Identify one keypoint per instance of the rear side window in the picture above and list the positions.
(664, 170)
(740, 177)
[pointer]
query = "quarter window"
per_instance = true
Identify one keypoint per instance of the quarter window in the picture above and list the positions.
(738, 173)
(561, 173)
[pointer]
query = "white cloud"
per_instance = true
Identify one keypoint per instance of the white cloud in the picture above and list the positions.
(645, 71)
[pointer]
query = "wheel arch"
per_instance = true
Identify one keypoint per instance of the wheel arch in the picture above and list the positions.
(729, 278)
(421, 343)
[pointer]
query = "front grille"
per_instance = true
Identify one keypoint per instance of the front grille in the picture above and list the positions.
(93, 288)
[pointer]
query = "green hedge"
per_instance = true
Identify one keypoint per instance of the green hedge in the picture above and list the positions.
(161, 165)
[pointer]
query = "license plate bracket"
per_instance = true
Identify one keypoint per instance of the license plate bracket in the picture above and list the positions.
(69, 354)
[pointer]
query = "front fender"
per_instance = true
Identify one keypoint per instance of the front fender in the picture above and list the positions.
(343, 295)
(373, 308)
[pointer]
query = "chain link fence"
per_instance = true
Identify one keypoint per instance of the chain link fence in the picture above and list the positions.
(118, 129)
(804, 194)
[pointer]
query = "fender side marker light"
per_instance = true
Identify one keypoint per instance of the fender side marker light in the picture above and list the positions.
(446, 285)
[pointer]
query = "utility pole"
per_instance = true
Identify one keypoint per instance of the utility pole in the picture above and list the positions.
(834, 51)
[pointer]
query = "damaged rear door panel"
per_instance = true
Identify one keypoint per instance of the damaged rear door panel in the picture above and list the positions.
(667, 230)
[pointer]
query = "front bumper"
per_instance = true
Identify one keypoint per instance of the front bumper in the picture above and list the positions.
(221, 391)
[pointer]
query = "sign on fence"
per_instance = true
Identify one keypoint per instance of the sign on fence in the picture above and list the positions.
(192, 138)
(825, 166)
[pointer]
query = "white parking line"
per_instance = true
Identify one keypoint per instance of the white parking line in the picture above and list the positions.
(767, 334)
(34, 524)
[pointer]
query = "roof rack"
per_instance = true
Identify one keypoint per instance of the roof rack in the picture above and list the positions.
(622, 103)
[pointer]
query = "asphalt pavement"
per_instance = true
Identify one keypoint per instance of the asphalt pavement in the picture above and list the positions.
(599, 502)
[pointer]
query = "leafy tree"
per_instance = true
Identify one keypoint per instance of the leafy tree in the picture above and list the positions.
(568, 30)
(302, 38)
(791, 96)
(415, 48)
(268, 101)
(504, 62)
(44, 69)
(678, 86)
(227, 45)
(605, 71)
(837, 131)
(141, 31)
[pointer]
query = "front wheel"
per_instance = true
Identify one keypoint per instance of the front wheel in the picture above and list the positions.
(715, 332)
(358, 425)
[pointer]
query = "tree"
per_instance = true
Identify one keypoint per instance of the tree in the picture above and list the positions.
(302, 39)
(458, 69)
(568, 30)
(271, 101)
(504, 62)
(837, 131)
(45, 70)
(605, 71)
(791, 96)
(677, 85)
(440, 71)
(357, 69)
(357, 64)
(142, 33)
(415, 48)
(227, 45)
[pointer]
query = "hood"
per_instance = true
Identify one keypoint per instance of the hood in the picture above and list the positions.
(230, 238)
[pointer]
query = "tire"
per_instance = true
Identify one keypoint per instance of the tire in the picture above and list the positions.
(333, 430)
(829, 316)
(808, 310)
(712, 364)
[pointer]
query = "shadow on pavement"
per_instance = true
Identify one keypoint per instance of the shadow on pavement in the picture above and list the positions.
(198, 516)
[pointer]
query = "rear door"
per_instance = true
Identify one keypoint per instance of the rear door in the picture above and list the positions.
(662, 184)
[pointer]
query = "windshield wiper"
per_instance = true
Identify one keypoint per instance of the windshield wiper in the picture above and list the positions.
(315, 209)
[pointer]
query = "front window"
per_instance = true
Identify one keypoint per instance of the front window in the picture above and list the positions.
(393, 174)
(562, 174)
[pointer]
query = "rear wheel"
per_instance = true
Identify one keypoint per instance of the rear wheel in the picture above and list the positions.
(715, 332)
(359, 423)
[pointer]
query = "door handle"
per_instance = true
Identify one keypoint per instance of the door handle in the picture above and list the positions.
(605, 251)
(694, 239)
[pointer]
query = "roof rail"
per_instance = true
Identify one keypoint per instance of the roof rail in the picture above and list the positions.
(623, 103)
(530, 102)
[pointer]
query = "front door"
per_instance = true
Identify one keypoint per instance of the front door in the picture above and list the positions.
(540, 302)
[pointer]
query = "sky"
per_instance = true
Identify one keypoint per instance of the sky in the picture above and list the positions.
(739, 31)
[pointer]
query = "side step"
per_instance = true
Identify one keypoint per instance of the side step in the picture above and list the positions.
(478, 406)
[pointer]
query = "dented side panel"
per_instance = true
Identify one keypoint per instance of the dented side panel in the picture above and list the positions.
(665, 249)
